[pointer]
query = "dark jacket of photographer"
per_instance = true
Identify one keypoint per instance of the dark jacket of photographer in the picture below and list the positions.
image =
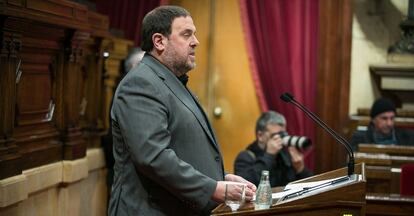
(250, 163)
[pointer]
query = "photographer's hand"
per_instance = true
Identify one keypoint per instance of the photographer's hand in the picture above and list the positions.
(297, 159)
(274, 144)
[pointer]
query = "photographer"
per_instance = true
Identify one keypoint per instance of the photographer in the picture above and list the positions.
(268, 152)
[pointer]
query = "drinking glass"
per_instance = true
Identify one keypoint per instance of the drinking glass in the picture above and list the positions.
(234, 194)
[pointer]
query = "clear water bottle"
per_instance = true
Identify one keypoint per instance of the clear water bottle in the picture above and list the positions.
(263, 193)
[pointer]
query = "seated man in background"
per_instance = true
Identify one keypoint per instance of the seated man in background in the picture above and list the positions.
(381, 128)
(267, 152)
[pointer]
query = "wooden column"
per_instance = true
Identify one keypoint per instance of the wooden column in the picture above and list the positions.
(73, 84)
(10, 158)
(335, 29)
(91, 121)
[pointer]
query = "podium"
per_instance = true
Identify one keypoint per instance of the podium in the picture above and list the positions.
(338, 195)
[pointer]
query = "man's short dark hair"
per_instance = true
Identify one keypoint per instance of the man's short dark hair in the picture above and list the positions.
(270, 117)
(159, 20)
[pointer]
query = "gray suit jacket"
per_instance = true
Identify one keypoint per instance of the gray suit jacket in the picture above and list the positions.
(167, 159)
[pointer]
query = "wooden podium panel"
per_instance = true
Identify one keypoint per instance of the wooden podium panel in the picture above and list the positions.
(389, 204)
(383, 169)
(344, 198)
(383, 165)
(398, 150)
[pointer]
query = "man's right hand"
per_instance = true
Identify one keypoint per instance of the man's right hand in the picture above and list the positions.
(274, 144)
(219, 193)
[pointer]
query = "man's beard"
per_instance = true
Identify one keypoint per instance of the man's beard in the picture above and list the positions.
(387, 131)
(178, 65)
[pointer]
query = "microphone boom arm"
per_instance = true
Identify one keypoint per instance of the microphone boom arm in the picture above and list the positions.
(326, 127)
(289, 99)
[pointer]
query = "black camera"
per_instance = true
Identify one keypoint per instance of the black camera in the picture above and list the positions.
(300, 142)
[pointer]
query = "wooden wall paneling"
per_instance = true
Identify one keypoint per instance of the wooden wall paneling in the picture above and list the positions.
(34, 130)
(335, 28)
(73, 84)
(43, 115)
(10, 45)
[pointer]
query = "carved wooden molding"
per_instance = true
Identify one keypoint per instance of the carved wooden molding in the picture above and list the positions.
(10, 44)
(66, 13)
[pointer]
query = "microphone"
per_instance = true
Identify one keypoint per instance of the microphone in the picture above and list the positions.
(288, 98)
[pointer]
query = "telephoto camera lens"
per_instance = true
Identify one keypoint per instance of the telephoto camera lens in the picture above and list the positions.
(300, 142)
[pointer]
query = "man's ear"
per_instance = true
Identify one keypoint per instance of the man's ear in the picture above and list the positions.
(159, 41)
(259, 136)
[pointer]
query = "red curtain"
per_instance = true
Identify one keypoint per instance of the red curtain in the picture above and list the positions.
(127, 15)
(282, 43)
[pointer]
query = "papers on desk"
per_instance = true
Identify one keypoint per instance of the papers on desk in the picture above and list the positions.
(302, 188)
(305, 185)
(284, 193)
(298, 189)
